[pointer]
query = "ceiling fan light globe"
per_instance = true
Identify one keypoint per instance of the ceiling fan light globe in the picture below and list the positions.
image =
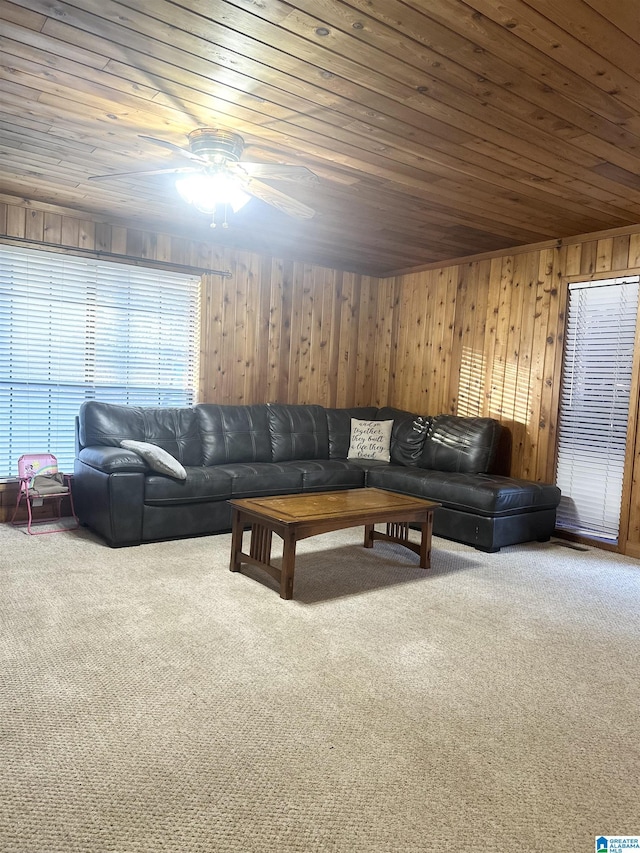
(237, 198)
(206, 192)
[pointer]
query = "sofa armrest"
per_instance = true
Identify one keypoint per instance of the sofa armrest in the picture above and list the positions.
(112, 459)
(111, 503)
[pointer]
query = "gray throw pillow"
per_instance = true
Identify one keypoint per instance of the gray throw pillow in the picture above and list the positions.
(156, 458)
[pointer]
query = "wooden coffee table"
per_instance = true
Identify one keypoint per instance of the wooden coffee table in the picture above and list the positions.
(295, 517)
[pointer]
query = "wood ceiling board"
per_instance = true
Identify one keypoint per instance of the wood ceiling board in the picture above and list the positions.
(618, 140)
(411, 175)
(571, 35)
(418, 70)
(499, 40)
(509, 140)
(624, 16)
(569, 186)
(137, 20)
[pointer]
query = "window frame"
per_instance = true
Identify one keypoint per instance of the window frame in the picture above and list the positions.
(634, 399)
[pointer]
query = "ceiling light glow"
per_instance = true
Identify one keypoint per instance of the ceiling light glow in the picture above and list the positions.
(208, 191)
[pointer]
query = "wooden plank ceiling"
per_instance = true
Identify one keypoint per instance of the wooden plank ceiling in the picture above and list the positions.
(437, 128)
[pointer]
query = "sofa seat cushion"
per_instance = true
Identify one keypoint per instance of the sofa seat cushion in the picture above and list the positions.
(322, 474)
(201, 485)
(484, 494)
(261, 478)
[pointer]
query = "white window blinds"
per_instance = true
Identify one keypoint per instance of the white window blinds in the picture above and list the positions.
(73, 329)
(594, 405)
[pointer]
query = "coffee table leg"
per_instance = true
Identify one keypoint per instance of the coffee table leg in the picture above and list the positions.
(426, 528)
(288, 565)
(368, 535)
(398, 531)
(236, 541)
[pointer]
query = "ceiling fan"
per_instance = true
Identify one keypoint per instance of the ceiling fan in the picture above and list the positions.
(217, 176)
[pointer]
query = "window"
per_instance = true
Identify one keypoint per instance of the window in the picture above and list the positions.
(594, 405)
(75, 329)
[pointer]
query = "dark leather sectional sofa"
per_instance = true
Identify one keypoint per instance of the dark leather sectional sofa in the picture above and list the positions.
(244, 451)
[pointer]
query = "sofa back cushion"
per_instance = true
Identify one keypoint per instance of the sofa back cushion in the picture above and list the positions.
(407, 436)
(233, 433)
(465, 445)
(174, 430)
(339, 427)
(298, 432)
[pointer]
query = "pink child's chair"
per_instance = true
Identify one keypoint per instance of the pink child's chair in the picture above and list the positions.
(40, 480)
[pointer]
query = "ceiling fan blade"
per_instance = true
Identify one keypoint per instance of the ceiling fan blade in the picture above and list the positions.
(278, 172)
(184, 152)
(277, 199)
(138, 174)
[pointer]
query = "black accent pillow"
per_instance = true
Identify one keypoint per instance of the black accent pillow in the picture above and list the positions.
(407, 436)
(465, 445)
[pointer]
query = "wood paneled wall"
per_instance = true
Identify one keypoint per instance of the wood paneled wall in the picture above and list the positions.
(275, 330)
(68, 231)
(482, 337)
(485, 338)
(288, 332)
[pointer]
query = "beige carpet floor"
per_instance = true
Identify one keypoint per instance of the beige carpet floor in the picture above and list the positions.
(154, 701)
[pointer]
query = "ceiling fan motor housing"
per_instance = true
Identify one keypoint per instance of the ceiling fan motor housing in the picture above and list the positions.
(217, 146)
